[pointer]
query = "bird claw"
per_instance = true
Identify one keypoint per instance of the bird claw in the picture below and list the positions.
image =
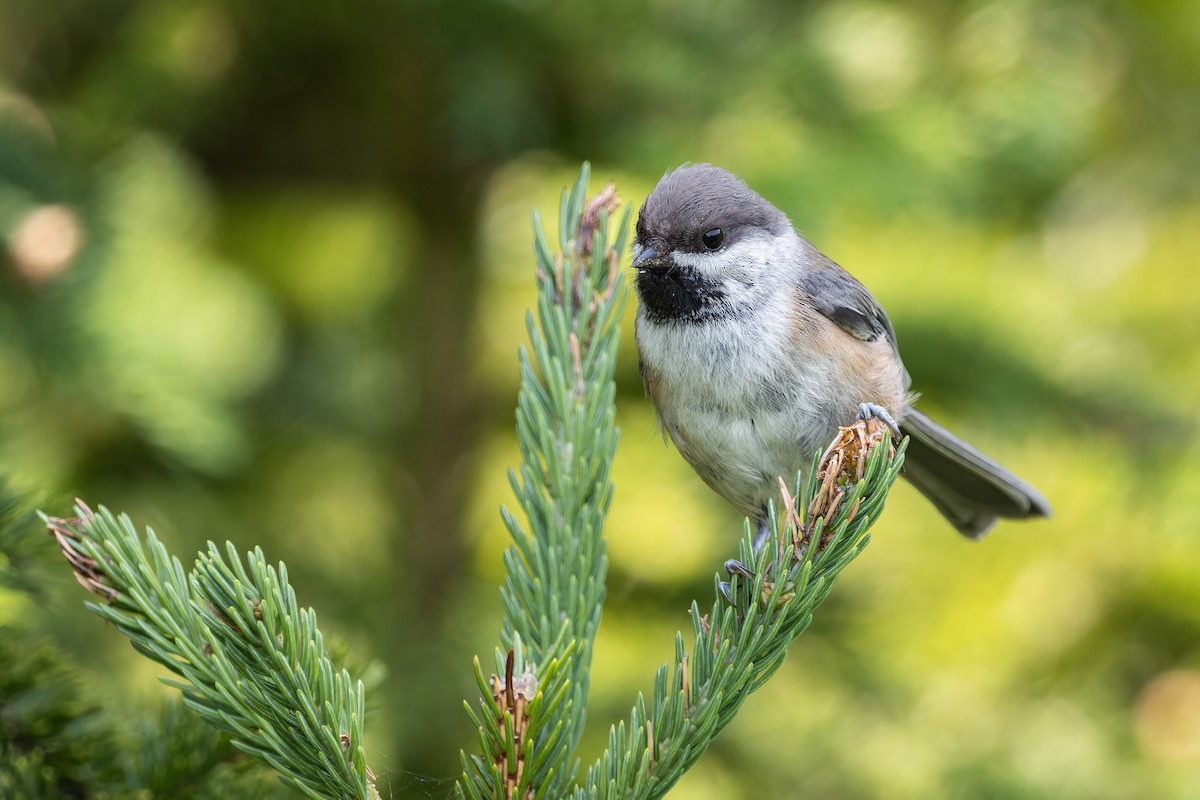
(735, 567)
(867, 411)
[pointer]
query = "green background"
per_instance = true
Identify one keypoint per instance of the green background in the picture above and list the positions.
(263, 272)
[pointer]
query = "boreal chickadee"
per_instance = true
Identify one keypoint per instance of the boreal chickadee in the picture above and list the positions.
(754, 347)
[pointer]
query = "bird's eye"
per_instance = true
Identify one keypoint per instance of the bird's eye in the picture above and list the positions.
(712, 238)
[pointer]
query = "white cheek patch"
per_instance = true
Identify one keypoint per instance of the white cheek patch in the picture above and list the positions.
(743, 262)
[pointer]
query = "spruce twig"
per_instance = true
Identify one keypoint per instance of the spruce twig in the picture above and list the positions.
(533, 711)
(250, 661)
(744, 637)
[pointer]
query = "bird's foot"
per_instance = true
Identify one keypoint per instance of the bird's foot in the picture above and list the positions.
(761, 537)
(734, 567)
(868, 411)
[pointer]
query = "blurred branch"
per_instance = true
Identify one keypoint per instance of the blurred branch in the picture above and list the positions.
(18, 527)
(252, 662)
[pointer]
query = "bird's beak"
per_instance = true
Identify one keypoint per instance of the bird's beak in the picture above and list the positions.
(647, 254)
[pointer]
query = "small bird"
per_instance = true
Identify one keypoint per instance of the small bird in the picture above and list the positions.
(754, 346)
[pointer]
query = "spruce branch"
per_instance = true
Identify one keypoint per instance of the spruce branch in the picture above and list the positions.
(744, 637)
(533, 709)
(250, 661)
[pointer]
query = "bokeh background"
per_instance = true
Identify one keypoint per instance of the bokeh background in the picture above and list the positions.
(263, 268)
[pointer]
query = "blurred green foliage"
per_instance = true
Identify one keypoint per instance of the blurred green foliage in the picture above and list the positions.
(263, 274)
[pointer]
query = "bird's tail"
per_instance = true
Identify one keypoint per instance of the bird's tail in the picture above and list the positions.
(967, 487)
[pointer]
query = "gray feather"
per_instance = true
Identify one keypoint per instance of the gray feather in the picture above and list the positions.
(839, 296)
(971, 490)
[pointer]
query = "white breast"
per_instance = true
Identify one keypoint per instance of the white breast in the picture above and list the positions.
(742, 400)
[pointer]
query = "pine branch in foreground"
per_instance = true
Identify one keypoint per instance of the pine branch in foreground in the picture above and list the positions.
(57, 740)
(535, 705)
(251, 661)
(744, 637)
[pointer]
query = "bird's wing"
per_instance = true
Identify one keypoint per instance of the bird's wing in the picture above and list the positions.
(838, 296)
